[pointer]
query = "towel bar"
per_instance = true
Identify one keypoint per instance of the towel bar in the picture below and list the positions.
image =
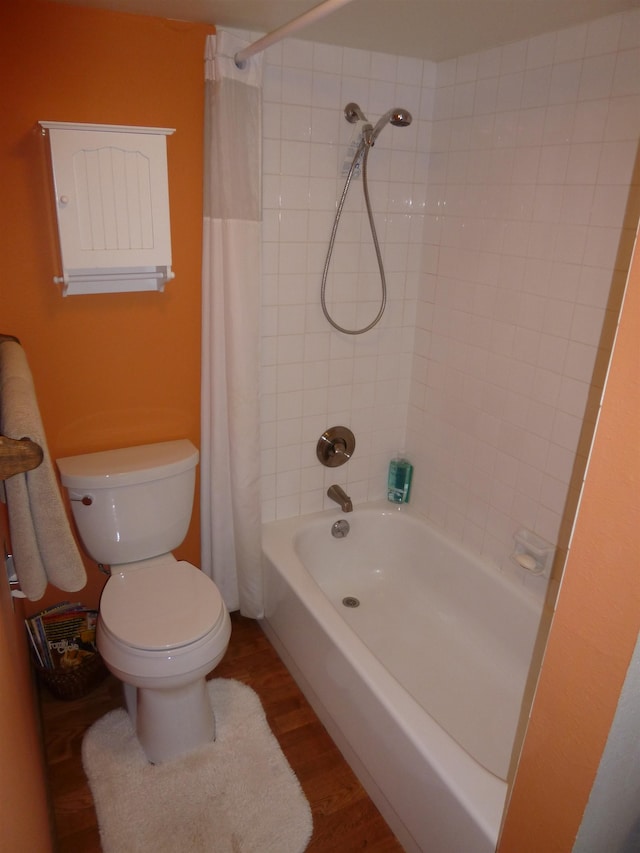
(17, 455)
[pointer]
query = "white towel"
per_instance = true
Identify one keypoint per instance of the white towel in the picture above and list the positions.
(43, 546)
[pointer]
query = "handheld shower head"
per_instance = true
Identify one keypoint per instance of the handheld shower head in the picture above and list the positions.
(401, 117)
(398, 116)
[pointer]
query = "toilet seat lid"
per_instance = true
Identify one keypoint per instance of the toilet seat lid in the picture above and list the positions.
(159, 607)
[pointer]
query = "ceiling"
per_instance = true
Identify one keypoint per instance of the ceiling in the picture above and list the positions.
(428, 29)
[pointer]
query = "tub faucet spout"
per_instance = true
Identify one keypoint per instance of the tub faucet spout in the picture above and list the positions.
(338, 494)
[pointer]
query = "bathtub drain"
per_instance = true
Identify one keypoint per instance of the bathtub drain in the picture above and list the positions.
(351, 601)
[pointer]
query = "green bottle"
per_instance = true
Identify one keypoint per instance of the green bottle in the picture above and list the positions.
(399, 482)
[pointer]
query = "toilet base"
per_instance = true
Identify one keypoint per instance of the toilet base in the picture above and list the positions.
(165, 689)
(171, 722)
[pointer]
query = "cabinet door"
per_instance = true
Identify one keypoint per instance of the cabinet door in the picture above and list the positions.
(112, 198)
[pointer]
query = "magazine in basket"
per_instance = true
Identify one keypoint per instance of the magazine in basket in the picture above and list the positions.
(63, 636)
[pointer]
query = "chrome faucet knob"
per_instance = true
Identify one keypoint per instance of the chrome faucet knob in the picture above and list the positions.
(335, 446)
(339, 446)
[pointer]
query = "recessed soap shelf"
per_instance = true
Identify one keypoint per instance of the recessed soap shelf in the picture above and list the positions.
(533, 553)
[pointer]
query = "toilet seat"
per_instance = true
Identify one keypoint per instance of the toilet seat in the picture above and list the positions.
(161, 606)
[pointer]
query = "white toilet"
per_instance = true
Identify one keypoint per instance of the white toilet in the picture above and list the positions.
(163, 625)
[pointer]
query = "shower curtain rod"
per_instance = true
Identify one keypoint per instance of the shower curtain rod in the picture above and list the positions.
(310, 17)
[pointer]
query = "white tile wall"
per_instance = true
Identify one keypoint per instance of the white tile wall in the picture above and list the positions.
(313, 376)
(529, 219)
(500, 212)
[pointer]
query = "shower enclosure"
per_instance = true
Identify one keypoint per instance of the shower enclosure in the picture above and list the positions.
(506, 212)
(501, 215)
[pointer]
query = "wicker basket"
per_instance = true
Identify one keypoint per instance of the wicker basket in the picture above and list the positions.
(73, 683)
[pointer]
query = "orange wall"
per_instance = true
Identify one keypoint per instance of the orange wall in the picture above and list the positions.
(110, 369)
(117, 369)
(596, 624)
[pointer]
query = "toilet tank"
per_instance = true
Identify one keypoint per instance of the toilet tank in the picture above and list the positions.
(132, 503)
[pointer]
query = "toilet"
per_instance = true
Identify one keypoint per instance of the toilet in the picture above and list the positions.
(163, 625)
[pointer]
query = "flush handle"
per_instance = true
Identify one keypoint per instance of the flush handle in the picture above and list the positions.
(86, 500)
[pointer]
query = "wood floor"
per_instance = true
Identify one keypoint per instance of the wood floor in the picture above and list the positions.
(344, 818)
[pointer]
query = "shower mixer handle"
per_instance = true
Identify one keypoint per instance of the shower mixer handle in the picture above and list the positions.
(339, 446)
(335, 446)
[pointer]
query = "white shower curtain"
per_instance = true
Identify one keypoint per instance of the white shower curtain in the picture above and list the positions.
(230, 451)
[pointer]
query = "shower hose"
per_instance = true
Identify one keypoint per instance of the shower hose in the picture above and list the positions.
(362, 151)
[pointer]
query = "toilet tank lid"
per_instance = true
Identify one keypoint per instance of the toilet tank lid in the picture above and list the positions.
(126, 466)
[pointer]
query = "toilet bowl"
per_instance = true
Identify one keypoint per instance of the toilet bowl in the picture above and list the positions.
(161, 629)
(162, 625)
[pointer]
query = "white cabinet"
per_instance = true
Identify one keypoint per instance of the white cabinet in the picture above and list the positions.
(112, 206)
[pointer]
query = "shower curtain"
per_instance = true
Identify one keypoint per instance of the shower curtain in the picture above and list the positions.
(230, 454)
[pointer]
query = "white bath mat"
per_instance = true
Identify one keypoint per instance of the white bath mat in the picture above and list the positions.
(235, 795)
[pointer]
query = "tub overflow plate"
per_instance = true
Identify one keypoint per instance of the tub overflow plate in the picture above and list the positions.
(340, 528)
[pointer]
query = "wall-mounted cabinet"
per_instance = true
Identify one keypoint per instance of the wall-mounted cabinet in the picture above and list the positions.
(112, 205)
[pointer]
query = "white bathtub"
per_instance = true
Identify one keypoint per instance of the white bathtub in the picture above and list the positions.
(420, 685)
